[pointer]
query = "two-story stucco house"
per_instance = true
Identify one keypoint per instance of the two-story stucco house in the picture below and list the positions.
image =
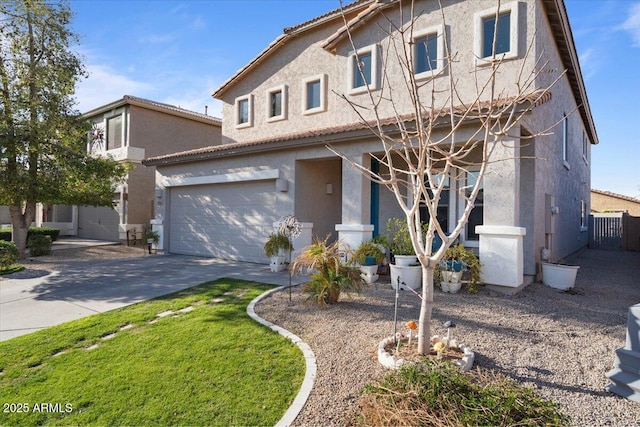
(281, 110)
(130, 129)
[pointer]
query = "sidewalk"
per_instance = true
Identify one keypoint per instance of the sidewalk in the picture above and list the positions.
(31, 304)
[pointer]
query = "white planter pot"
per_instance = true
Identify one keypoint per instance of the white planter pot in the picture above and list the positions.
(406, 260)
(559, 276)
(277, 263)
(369, 273)
(452, 281)
(407, 276)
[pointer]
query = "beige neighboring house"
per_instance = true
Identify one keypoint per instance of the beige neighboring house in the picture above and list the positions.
(281, 110)
(131, 129)
(606, 201)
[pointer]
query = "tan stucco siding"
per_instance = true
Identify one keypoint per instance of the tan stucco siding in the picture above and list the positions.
(604, 202)
(160, 133)
(303, 57)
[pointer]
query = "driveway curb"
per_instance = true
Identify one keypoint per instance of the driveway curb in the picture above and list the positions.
(310, 360)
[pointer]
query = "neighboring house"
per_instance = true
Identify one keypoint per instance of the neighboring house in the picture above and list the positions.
(606, 201)
(283, 108)
(131, 129)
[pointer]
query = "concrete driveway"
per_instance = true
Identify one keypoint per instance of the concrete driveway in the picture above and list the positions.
(31, 304)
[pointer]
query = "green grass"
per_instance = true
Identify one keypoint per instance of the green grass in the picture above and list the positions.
(11, 269)
(209, 366)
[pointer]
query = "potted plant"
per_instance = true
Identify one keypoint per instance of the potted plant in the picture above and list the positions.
(152, 237)
(275, 248)
(368, 256)
(457, 262)
(405, 270)
(330, 277)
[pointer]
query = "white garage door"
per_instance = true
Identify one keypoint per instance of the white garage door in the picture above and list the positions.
(101, 223)
(229, 221)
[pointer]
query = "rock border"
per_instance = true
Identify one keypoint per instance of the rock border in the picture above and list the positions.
(390, 361)
(309, 357)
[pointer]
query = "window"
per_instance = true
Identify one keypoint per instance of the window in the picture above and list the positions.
(363, 69)
(500, 24)
(477, 213)
(244, 111)
(583, 216)
(565, 141)
(428, 51)
(277, 103)
(315, 94)
(114, 132)
(442, 214)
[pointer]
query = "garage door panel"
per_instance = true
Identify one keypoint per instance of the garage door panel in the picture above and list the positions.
(229, 220)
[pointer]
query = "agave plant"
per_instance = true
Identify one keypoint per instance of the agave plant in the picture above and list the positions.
(329, 276)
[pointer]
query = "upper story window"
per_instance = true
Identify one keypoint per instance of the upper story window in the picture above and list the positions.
(497, 28)
(277, 103)
(363, 69)
(114, 132)
(428, 51)
(315, 94)
(565, 141)
(244, 111)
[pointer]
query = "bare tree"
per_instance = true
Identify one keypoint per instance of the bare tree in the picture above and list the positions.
(439, 129)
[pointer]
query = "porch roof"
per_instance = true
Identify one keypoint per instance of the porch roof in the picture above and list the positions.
(328, 135)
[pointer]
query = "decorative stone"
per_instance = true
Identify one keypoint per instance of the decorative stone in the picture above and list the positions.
(390, 361)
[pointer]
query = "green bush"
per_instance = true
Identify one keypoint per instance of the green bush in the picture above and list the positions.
(5, 234)
(46, 231)
(39, 244)
(8, 254)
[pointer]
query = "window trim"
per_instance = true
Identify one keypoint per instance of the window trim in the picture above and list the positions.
(236, 111)
(439, 31)
(584, 215)
(351, 69)
(284, 100)
(585, 147)
(479, 17)
(323, 94)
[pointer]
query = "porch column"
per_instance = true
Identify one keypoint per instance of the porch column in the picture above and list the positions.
(356, 201)
(501, 237)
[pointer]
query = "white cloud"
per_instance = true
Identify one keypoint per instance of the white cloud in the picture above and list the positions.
(632, 24)
(106, 85)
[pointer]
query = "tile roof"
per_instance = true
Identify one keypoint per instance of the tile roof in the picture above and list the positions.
(531, 100)
(154, 105)
(616, 195)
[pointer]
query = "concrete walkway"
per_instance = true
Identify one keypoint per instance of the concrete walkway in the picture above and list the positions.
(28, 305)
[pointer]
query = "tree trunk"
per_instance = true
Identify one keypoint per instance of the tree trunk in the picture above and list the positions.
(21, 221)
(426, 309)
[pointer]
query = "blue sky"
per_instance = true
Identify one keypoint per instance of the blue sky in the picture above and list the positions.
(179, 52)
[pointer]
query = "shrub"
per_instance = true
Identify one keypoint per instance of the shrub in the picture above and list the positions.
(435, 393)
(8, 254)
(39, 244)
(367, 249)
(5, 233)
(46, 231)
(331, 277)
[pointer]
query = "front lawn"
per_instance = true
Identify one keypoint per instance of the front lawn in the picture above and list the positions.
(189, 358)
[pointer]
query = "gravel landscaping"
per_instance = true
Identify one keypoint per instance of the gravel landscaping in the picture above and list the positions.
(559, 343)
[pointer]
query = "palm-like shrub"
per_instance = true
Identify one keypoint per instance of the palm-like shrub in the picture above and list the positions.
(329, 276)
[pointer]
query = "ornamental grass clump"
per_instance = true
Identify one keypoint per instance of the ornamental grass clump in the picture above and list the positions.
(434, 393)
